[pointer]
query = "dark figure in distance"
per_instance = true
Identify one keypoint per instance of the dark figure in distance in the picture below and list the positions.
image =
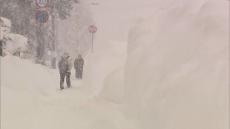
(1, 48)
(78, 65)
(65, 66)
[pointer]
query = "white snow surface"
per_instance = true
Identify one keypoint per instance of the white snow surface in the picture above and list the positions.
(13, 41)
(5, 26)
(175, 74)
(5, 22)
(177, 70)
(16, 41)
(101, 64)
(31, 99)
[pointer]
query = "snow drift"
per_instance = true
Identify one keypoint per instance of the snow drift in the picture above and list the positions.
(14, 42)
(5, 25)
(102, 65)
(177, 67)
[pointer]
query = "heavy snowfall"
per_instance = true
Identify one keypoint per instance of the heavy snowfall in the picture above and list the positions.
(154, 64)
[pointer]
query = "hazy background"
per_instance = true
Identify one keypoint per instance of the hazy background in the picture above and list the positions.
(157, 64)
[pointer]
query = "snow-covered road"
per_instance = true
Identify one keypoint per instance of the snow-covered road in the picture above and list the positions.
(168, 71)
(31, 99)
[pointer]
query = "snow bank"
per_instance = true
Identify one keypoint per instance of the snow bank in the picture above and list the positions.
(5, 22)
(113, 87)
(5, 26)
(15, 42)
(101, 64)
(177, 67)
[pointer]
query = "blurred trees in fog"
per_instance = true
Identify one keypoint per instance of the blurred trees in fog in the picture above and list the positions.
(41, 37)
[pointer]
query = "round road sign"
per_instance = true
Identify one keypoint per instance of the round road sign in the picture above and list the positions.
(42, 16)
(92, 29)
(42, 3)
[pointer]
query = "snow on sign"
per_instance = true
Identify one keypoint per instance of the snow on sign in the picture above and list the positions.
(42, 3)
(42, 16)
(92, 29)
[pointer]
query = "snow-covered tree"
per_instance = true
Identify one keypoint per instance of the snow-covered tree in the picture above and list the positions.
(40, 37)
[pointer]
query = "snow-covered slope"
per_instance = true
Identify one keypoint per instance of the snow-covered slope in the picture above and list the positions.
(102, 63)
(177, 67)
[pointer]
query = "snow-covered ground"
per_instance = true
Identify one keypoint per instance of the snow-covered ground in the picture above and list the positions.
(31, 99)
(170, 70)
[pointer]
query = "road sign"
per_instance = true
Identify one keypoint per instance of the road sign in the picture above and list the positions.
(92, 29)
(42, 3)
(42, 16)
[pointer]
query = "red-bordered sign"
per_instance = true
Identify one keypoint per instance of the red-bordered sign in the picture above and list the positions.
(92, 29)
(42, 3)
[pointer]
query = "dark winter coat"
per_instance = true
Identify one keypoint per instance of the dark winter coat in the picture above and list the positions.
(64, 65)
(79, 63)
(1, 48)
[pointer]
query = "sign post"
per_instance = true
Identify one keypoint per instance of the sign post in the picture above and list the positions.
(92, 41)
(92, 30)
(42, 3)
(42, 14)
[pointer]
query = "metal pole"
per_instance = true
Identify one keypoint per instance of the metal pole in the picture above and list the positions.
(92, 42)
(0, 32)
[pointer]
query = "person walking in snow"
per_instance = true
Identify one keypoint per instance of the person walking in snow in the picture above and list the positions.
(78, 65)
(65, 67)
(1, 48)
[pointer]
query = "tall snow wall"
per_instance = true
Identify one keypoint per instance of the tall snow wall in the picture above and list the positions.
(177, 69)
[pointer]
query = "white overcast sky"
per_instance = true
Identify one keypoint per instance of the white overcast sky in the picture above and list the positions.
(114, 17)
